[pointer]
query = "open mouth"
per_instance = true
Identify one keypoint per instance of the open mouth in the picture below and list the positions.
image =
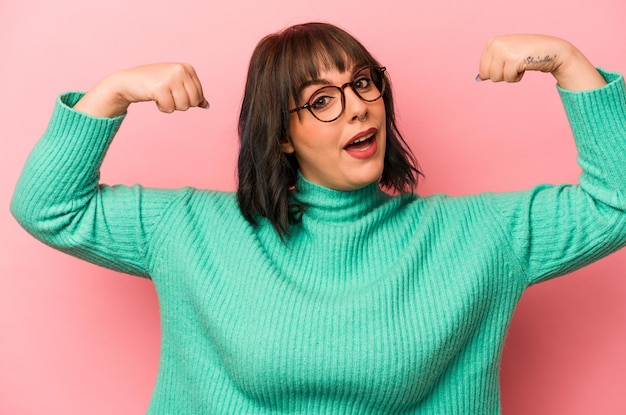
(361, 143)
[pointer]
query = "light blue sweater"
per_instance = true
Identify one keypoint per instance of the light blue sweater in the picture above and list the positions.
(375, 304)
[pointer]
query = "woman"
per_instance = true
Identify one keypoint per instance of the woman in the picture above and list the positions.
(311, 290)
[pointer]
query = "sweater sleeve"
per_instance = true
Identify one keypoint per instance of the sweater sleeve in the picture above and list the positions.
(58, 198)
(556, 229)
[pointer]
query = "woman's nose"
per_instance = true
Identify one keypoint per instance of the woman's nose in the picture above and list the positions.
(356, 108)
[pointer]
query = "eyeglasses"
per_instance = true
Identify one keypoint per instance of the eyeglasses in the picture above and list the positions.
(328, 103)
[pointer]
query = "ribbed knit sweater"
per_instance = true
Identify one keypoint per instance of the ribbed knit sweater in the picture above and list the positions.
(374, 304)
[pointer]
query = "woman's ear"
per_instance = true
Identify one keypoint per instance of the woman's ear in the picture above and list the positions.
(287, 146)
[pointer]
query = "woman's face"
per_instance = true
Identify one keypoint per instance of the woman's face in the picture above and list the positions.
(345, 154)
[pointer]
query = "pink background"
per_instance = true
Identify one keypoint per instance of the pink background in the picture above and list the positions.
(78, 339)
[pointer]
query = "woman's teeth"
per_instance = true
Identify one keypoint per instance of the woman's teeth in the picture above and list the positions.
(362, 139)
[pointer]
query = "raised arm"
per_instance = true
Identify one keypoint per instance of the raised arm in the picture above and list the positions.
(556, 229)
(58, 198)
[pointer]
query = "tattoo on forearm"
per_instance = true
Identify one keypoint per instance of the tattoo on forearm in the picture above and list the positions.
(533, 60)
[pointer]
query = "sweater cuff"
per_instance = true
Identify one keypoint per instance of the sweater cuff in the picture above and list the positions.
(65, 116)
(612, 93)
(598, 121)
(66, 101)
(598, 113)
(86, 134)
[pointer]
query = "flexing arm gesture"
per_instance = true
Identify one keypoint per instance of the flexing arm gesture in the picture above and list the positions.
(173, 86)
(507, 58)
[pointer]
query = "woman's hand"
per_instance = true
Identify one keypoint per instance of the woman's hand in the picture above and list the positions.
(507, 58)
(173, 86)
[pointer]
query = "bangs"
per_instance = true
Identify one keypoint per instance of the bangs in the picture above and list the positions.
(307, 50)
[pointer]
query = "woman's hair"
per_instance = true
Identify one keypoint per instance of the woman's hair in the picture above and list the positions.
(280, 65)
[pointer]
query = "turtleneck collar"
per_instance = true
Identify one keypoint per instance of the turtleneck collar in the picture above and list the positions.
(337, 206)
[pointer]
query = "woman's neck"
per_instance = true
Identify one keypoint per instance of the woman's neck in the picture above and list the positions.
(330, 205)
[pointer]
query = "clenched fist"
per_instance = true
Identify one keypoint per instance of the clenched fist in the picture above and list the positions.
(172, 86)
(507, 58)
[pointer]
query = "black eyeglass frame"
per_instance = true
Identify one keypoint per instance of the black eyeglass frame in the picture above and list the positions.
(341, 88)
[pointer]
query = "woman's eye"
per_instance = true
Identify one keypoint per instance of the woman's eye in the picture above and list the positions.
(363, 83)
(321, 102)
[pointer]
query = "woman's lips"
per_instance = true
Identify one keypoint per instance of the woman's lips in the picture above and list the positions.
(365, 149)
(363, 145)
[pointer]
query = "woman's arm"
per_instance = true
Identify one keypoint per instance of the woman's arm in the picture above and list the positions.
(556, 229)
(58, 198)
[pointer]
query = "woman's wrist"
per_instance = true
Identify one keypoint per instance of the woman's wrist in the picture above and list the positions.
(103, 100)
(576, 73)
